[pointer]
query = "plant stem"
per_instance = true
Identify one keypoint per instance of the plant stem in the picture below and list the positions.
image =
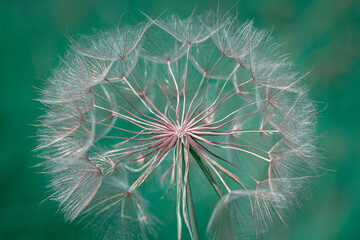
(189, 199)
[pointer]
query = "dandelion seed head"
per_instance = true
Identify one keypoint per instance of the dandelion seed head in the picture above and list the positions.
(168, 99)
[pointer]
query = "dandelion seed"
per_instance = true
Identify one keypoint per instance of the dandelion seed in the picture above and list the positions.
(170, 98)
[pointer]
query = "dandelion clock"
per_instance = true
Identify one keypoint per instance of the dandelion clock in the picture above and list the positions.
(206, 108)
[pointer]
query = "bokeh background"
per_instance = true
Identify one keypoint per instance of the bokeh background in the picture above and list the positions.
(322, 35)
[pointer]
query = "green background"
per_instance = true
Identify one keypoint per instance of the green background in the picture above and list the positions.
(323, 35)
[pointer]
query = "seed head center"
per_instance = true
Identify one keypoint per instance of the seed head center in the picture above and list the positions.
(180, 132)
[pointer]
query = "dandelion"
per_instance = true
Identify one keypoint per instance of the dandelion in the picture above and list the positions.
(174, 98)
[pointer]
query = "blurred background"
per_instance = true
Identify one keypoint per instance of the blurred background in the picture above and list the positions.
(322, 35)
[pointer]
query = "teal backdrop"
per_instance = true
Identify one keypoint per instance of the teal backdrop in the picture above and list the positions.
(323, 36)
